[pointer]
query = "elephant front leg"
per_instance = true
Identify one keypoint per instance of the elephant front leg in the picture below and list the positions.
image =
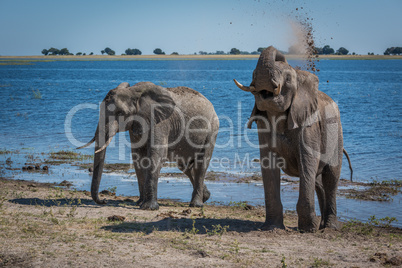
(272, 184)
(153, 168)
(307, 220)
(141, 175)
(138, 155)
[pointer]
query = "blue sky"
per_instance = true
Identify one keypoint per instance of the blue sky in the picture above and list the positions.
(184, 26)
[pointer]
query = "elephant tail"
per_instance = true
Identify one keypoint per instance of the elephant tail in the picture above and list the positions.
(350, 164)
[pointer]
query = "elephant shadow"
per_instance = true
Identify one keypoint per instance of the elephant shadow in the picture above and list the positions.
(186, 225)
(199, 225)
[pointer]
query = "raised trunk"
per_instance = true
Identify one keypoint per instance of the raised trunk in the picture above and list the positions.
(266, 73)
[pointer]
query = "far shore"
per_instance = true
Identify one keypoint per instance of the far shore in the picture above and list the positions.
(191, 57)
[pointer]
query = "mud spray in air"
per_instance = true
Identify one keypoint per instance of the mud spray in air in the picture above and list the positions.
(302, 39)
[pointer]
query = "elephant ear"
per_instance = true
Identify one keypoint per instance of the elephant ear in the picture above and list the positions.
(303, 109)
(156, 104)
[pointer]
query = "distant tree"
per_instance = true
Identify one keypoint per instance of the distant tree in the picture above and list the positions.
(220, 52)
(202, 53)
(342, 51)
(318, 50)
(103, 52)
(255, 53)
(109, 51)
(54, 51)
(45, 52)
(91, 53)
(174, 53)
(64, 51)
(158, 51)
(353, 53)
(327, 50)
(393, 51)
(78, 53)
(234, 51)
(244, 53)
(260, 49)
(134, 51)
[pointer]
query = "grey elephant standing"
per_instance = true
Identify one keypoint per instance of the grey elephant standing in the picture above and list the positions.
(176, 124)
(301, 126)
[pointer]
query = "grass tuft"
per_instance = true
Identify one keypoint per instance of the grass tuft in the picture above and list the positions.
(36, 94)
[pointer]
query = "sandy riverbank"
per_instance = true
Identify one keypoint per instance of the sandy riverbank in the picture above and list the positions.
(47, 226)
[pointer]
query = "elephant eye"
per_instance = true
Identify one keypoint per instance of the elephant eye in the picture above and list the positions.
(288, 78)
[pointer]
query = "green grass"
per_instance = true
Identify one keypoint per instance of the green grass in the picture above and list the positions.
(36, 94)
(377, 191)
(4, 151)
(368, 228)
(15, 62)
(68, 156)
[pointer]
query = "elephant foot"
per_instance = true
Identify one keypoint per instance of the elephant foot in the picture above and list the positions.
(149, 205)
(196, 202)
(139, 202)
(307, 226)
(270, 227)
(206, 195)
(322, 225)
(332, 224)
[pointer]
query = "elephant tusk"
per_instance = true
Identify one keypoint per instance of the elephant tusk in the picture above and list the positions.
(248, 89)
(104, 146)
(86, 145)
(277, 90)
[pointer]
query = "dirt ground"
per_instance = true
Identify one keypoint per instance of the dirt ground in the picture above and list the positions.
(46, 226)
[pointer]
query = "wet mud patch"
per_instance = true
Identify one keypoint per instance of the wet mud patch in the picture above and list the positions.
(381, 191)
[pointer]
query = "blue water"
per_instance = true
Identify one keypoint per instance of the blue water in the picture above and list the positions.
(368, 94)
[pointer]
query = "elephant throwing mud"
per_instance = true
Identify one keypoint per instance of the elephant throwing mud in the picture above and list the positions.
(301, 126)
(176, 124)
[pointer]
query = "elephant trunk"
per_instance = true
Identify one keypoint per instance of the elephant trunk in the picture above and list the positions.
(91, 141)
(102, 138)
(266, 65)
(99, 161)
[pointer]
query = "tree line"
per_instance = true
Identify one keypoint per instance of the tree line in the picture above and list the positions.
(325, 50)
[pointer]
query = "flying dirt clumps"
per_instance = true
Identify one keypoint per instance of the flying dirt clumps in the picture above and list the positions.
(303, 31)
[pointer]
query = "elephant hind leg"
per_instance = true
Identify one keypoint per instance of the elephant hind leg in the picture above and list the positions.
(330, 178)
(193, 173)
(319, 189)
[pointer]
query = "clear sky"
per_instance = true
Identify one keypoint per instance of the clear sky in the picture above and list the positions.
(188, 26)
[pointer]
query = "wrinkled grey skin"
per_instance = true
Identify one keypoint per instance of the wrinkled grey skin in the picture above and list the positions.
(156, 118)
(301, 125)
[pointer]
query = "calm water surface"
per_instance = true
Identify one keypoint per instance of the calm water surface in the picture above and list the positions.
(368, 94)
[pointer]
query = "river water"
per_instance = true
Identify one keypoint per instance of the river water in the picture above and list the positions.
(64, 116)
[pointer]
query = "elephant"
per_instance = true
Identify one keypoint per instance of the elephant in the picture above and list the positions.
(176, 124)
(300, 131)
